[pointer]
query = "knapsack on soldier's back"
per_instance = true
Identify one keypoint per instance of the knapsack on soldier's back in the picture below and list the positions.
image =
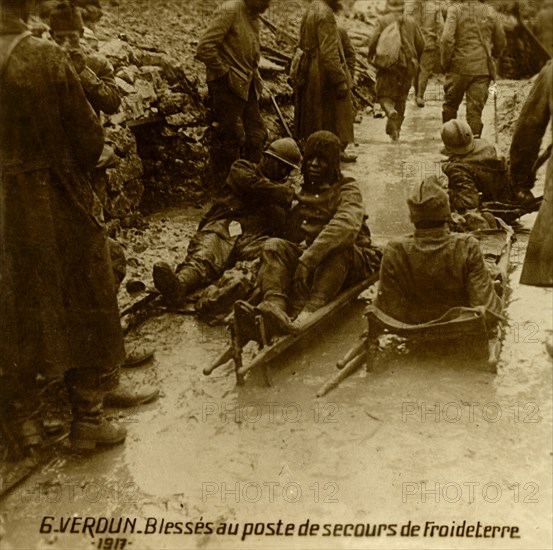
(388, 46)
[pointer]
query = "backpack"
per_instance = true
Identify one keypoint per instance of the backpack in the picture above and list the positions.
(388, 46)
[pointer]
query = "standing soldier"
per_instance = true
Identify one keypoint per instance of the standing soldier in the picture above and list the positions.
(473, 38)
(323, 93)
(429, 17)
(58, 310)
(231, 51)
(393, 83)
(534, 118)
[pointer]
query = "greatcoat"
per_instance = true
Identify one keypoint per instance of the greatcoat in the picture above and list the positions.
(58, 309)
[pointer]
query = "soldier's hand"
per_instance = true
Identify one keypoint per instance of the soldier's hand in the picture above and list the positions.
(78, 59)
(342, 90)
(301, 280)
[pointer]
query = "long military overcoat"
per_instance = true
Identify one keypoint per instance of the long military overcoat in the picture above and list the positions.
(58, 308)
(317, 106)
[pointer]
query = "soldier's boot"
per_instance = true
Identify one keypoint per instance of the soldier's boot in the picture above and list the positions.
(90, 427)
(273, 308)
(126, 395)
(175, 286)
(328, 280)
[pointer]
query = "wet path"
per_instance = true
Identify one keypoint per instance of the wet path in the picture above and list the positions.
(429, 439)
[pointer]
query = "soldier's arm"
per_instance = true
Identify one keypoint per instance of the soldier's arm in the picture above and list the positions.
(447, 42)
(462, 188)
(328, 50)
(210, 42)
(390, 297)
(246, 181)
(530, 128)
(480, 288)
(349, 51)
(499, 41)
(98, 81)
(80, 122)
(341, 230)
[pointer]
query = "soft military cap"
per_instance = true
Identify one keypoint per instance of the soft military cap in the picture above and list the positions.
(429, 201)
(66, 18)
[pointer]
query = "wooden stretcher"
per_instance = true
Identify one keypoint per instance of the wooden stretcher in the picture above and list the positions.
(249, 325)
(458, 324)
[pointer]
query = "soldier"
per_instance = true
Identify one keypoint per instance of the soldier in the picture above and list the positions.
(252, 209)
(534, 118)
(323, 93)
(327, 245)
(473, 168)
(95, 71)
(425, 274)
(429, 17)
(58, 311)
(472, 38)
(230, 50)
(393, 83)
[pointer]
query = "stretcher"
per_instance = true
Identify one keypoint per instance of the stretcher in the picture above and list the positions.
(248, 324)
(458, 325)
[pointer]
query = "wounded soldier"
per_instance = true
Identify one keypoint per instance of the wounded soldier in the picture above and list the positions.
(328, 246)
(474, 171)
(254, 207)
(425, 274)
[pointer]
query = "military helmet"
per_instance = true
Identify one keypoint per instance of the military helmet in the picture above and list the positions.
(395, 5)
(457, 137)
(286, 150)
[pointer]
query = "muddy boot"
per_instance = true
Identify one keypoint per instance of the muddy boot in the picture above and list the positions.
(419, 101)
(174, 286)
(90, 427)
(138, 355)
(275, 312)
(124, 395)
(392, 125)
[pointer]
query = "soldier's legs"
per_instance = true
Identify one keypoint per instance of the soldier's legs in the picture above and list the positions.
(86, 389)
(477, 95)
(207, 256)
(229, 134)
(279, 259)
(425, 70)
(254, 128)
(454, 89)
(328, 280)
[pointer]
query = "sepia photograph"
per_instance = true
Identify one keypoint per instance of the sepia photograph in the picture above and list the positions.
(276, 274)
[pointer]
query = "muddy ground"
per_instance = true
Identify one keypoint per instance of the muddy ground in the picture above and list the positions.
(430, 439)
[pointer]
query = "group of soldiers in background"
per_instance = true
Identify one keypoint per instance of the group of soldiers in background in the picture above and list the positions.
(59, 312)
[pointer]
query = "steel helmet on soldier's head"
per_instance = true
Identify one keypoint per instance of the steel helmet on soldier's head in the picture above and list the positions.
(286, 150)
(395, 5)
(457, 137)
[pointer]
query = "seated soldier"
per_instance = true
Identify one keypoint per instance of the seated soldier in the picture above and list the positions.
(253, 209)
(328, 245)
(425, 274)
(95, 72)
(473, 168)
